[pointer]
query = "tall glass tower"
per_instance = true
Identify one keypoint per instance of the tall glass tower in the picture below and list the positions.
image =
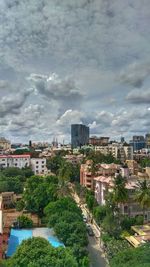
(79, 135)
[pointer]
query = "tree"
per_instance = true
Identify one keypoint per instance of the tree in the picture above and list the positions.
(120, 192)
(24, 222)
(136, 257)
(143, 195)
(37, 252)
(39, 191)
(99, 213)
(90, 200)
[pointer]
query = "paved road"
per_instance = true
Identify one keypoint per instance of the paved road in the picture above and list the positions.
(96, 257)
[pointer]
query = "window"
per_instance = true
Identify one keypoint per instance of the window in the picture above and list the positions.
(37, 162)
(42, 162)
(42, 166)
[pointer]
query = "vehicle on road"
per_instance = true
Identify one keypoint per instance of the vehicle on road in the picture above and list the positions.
(84, 218)
(89, 230)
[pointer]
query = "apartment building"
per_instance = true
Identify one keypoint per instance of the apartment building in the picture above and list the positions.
(87, 175)
(19, 161)
(120, 151)
(38, 165)
(4, 144)
(74, 159)
(98, 141)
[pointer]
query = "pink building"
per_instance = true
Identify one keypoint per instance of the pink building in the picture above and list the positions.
(87, 177)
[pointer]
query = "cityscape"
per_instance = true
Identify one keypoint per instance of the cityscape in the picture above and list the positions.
(74, 133)
(106, 180)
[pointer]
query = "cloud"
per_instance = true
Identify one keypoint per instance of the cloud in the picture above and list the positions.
(138, 97)
(52, 87)
(12, 103)
(135, 74)
(87, 44)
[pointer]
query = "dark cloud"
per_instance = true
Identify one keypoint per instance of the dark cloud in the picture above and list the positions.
(135, 74)
(64, 91)
(140, 96)
(11, 104)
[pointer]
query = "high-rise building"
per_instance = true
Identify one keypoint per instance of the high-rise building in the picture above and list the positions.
(79, 135)
(138, 142)
(147, 140)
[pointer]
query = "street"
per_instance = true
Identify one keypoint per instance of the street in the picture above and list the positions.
(96, 257)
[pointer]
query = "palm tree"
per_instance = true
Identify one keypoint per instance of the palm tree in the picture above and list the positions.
(120, 191)
(143, 195)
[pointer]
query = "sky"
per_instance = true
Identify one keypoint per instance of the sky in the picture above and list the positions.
(64, 62)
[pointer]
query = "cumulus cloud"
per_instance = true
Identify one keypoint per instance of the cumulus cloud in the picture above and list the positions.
(86, 43)
(12, 103)
(64, 90)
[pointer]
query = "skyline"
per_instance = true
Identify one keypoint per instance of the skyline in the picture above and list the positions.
(64, 62)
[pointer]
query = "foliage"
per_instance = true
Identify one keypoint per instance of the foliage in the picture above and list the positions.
(127, 222)
(12, 179)
(24, 222)
(98, 157)
(99, 213)
(145, 162)
(39, 191)
(20, 205)
(37, 252)
(66, 219)
(120, 192)
(66, 171)
(143, 195)
(138, 257)
(113, 246)
(90, 200)
(54, 164)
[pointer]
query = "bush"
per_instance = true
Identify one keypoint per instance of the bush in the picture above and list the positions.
(24, 222)
(99, 213)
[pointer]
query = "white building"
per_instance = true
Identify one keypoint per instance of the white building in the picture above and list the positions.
(38, 165)
(19, 161)
(119, 151)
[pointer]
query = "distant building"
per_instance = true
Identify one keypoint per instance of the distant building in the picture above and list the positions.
(79, 135)
(147, 140)
(137, 142)
(119, 151)
(38, 165)
(4, 144)
(98, 141)
(19, 161)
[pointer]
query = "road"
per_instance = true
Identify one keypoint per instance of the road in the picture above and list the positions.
(96, 257)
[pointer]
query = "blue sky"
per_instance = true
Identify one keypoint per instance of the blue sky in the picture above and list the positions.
(83, 61)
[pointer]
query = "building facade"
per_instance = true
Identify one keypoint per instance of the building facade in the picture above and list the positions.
(138, 142)
(147, 140)
(4, 144)
(79, 135)
(18, 161)
(98, 141)
(38, 166)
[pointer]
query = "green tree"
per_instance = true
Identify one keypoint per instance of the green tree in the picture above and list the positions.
(143, 195)
(39, 191)
(24, 222)
(120, 191)
(136, 257)
(99, 213)
(37, 252)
